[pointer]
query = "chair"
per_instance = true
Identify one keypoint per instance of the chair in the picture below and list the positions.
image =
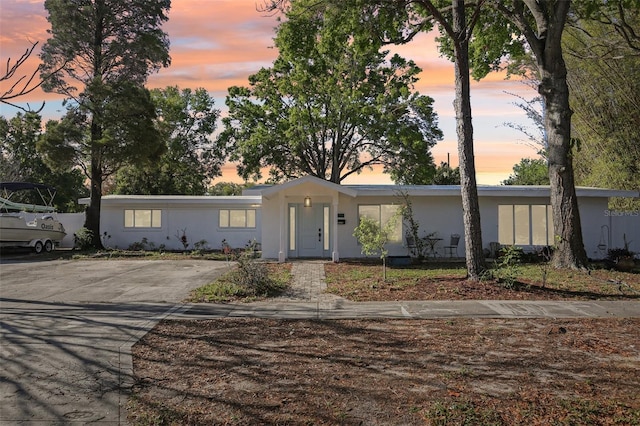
(453, 245)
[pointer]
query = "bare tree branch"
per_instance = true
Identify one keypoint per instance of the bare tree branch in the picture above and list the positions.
(23, 85)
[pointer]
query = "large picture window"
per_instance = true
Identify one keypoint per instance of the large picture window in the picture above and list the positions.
(142, 218)
(237, 218)
(382, 214)
(525, 225)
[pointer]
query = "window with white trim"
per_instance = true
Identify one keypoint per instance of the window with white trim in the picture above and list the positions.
(525, 224)
(237, 218)
(382, 214)
(142, 218)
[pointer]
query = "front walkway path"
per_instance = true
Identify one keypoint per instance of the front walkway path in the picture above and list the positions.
(308, 284)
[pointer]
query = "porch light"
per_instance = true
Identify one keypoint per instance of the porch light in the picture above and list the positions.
(307, 201)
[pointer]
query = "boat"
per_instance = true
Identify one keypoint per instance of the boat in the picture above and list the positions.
(29, 225)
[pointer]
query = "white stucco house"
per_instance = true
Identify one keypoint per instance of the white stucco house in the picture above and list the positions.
(310, 217)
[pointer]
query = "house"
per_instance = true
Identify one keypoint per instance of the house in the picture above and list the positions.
(310, 217)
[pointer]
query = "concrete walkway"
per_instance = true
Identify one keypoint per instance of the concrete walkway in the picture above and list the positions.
(306, 299)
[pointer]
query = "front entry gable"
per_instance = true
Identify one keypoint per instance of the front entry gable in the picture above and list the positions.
(301, 219)
(305, 186)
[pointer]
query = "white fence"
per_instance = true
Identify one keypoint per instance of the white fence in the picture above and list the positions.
(71, 222)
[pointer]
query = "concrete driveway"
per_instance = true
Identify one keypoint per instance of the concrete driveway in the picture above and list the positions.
(67, 327)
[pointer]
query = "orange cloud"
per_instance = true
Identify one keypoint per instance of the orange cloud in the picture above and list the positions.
(216, 44)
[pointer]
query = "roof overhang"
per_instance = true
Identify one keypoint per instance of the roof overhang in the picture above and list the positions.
(528, 191)
(271, 191)
(176, 200)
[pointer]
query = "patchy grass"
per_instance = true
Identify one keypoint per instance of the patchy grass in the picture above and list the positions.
(229, 287)
(362, 281)
(65, 253)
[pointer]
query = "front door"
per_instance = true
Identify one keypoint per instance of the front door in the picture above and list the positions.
(310, 230)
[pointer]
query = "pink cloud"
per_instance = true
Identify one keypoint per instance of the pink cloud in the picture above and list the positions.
(216, 44)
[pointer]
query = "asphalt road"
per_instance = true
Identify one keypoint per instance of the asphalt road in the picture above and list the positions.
(67, 327)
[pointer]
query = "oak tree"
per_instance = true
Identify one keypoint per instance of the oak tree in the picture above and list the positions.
(332, 104)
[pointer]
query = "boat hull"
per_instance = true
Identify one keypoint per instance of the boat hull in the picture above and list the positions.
(16, 229)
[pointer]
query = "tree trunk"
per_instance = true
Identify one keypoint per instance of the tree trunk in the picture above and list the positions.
(569, 252)
(92, 217)
(464, 128)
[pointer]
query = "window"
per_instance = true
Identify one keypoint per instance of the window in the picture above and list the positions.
(292, 227)
(525, 225)
(237, 218)
(143, 218)
(382, 213)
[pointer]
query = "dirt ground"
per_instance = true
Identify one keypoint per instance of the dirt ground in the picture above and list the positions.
(241, 371)
(352, 281)
(395, 372)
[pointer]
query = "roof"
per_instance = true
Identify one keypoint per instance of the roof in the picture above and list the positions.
(203, 200)
(254, 195)
(439, 190)
(486, 191)
(343, 189)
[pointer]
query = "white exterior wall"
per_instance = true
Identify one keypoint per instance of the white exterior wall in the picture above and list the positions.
(271, 217)
(436, 209)
(200, 221)
(624, 225)
(442, 215)
(275, 215)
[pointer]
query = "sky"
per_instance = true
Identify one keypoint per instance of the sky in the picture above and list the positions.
(216, 44)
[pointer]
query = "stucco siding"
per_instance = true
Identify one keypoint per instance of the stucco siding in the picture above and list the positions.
(199, 223)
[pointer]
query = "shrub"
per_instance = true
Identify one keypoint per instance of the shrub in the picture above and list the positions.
(507, 267)
(82, 239)
(199, 247)
(253, 275)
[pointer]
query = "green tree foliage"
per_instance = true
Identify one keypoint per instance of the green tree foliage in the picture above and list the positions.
(227, 188)
(21, 162)
(529, 172)
(373, 238)
(186, 121)
(127, 136)
(603, 61)
(331, 105)
(105, 49)
(445, 175)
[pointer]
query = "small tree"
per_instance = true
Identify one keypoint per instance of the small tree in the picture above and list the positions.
(418, 247)
(373, 238)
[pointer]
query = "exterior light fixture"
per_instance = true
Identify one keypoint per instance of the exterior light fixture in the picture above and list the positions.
(307, 201)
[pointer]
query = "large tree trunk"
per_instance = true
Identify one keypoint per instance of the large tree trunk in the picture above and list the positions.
(570, 252)
(92, 217)
(464, 128)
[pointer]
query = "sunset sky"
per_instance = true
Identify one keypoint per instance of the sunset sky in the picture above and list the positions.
(216, 44)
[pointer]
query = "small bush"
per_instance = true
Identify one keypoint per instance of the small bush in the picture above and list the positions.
(250, 280)
(83, 239)
(200, 247)
(253, 275)
(507, 267)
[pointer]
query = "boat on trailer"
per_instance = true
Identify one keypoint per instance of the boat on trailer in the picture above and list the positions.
(29, 225)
